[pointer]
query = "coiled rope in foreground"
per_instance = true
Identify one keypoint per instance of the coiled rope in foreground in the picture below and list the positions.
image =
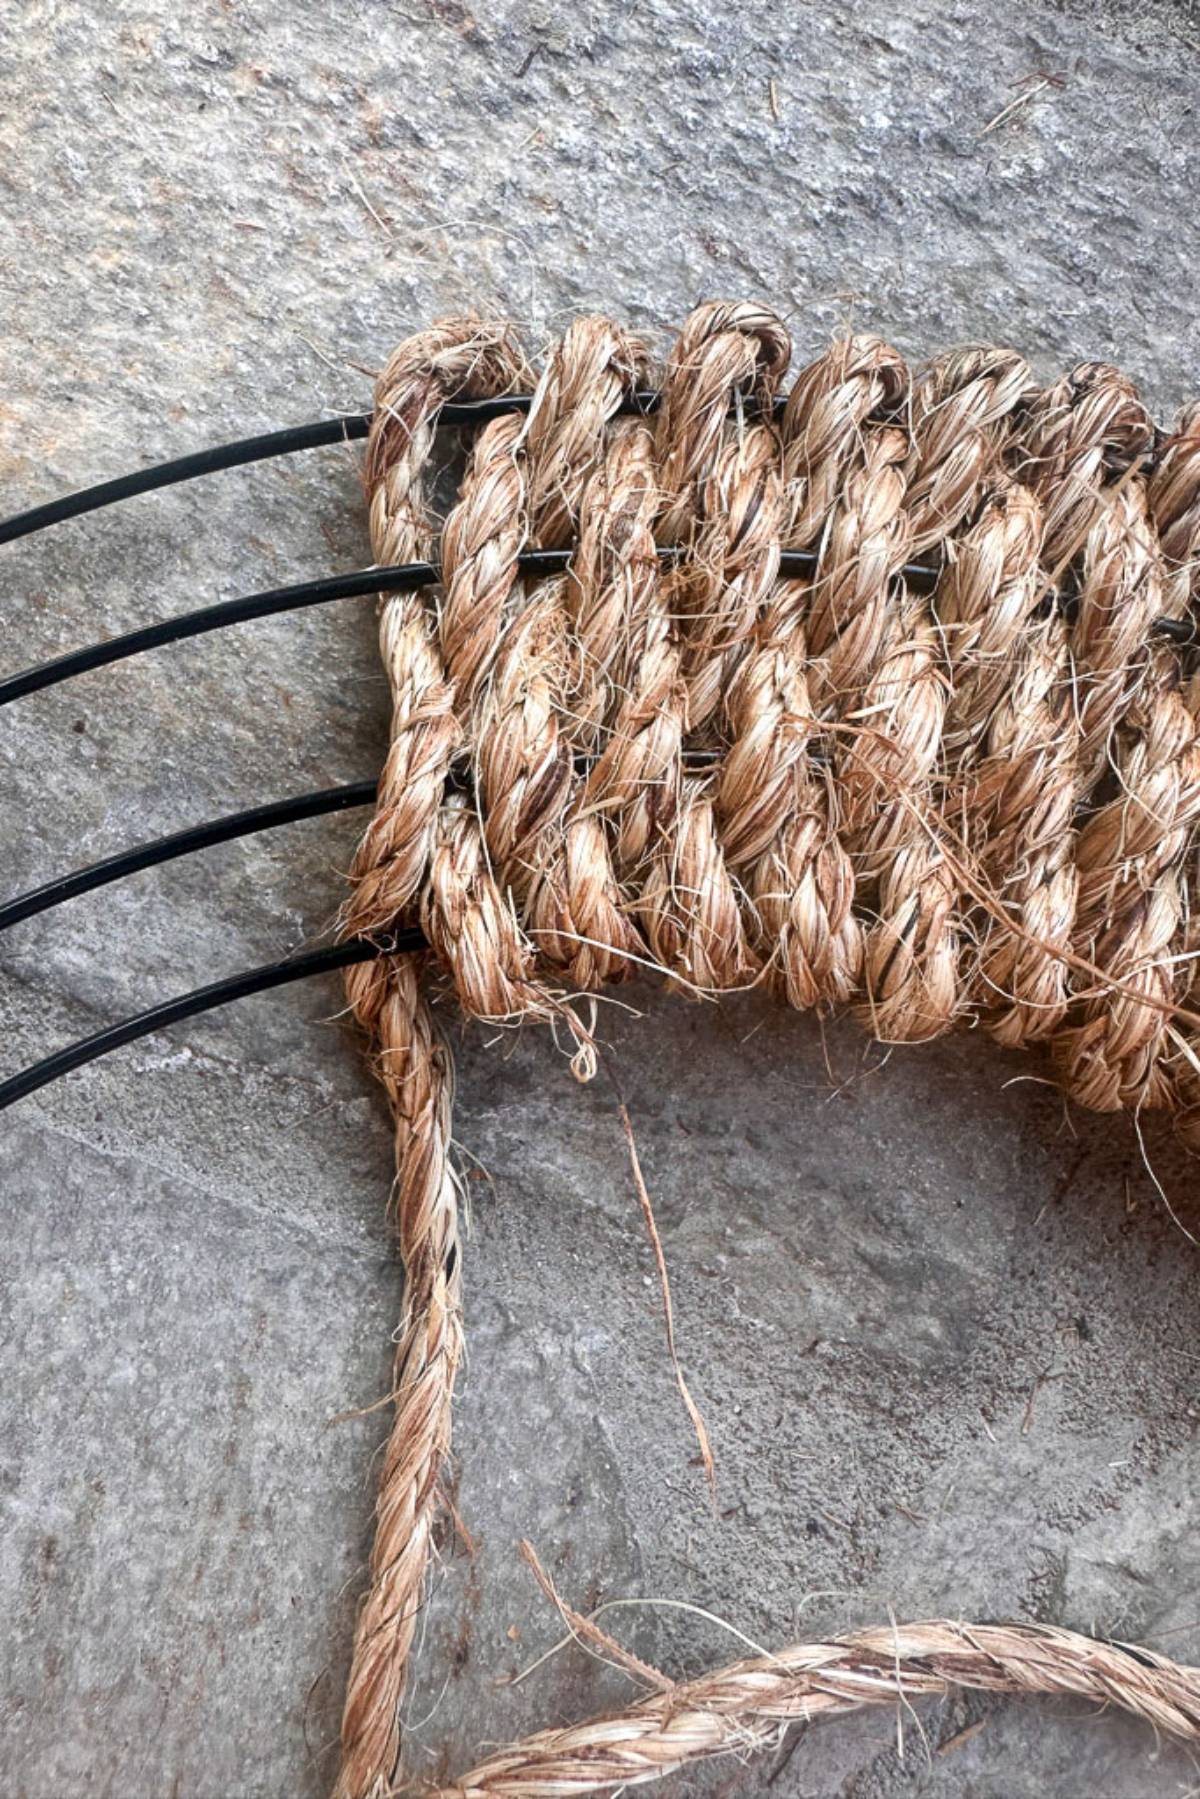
(980, 803)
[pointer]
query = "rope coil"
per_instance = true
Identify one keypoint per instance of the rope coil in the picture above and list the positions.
(981, 802)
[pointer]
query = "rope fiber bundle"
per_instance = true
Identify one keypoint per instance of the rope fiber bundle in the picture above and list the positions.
(975, 803)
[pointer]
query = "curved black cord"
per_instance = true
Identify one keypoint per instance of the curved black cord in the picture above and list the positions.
(203, 999)
(212, 618)
(404, 577)
(217, 830)
(401, 578)
(346, 428)
(186, 468)
(184, 843)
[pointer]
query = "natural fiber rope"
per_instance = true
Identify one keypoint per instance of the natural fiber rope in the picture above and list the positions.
(745, 1707)
(983, 802)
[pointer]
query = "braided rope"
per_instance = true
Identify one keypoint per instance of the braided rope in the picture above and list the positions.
(982, 802)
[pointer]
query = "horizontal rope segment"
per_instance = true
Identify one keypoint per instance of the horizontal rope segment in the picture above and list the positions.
(746, 1707)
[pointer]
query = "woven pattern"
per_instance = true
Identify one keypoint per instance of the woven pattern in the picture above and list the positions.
(979, 802)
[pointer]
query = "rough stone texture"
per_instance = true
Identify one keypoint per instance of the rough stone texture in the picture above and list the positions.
(944, 1335)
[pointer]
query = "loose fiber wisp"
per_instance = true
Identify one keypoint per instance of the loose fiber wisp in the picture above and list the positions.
(871, 687)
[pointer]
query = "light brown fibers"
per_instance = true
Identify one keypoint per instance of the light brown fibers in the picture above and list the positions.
(976, 803)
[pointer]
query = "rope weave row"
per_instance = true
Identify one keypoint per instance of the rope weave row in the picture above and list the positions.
(980, 803)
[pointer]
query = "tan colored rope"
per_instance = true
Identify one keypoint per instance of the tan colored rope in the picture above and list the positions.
(745, 1707)
(980, 801)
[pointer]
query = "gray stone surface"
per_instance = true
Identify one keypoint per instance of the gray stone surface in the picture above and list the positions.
(943, 1333)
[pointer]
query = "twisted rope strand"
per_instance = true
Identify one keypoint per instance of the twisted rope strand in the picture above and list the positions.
(1021, 803)
(415, 1073)
(984, 801)
(388, 1004)
(715, 480)
(747, 1706)
(636, 778)
(574, 912)
(1080, 450)
(1174, 498)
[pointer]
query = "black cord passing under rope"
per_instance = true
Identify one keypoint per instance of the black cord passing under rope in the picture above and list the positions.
(249, 823)
(405, 577)
(347, 427)
(203, 999)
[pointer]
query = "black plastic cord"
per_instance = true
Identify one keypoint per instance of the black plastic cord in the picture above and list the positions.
(186, 468)
(223, 830)
(346, 428)
(212, 618)
(184, 843)
(1178, 630)
(405, 577)
(202, 999)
